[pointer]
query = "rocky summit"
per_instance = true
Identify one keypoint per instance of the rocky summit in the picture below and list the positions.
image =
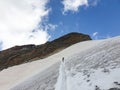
(27, 53)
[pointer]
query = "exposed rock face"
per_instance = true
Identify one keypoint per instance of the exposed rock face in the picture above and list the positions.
(21, 54)
(114, 89)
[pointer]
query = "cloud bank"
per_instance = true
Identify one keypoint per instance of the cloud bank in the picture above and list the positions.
(21, 22)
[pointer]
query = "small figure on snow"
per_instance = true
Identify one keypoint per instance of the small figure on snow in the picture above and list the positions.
(61, 83)
(63, 59)
(97, 88)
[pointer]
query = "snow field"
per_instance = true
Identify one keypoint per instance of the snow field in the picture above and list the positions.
(88, 65)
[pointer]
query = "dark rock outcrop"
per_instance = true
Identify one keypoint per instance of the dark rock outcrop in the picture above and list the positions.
(114, 89)
(22, 54)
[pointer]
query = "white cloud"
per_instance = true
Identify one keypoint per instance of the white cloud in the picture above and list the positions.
(94, 34)
(97, 36)
(94, 2)
(18, 19)
(73, 5)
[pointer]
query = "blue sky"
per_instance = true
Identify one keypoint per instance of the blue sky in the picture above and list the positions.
(38, 21)
(103, 18)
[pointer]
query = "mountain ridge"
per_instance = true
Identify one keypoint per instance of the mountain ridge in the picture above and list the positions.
(90, 65)
(27, 53)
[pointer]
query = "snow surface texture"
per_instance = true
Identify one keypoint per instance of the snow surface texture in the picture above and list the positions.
(90, 65)
(16, 75)
(95, 69)
(61, 83)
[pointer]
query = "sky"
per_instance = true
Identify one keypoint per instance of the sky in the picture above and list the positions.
(38, 21)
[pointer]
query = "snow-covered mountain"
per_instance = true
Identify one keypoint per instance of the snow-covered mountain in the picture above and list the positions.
(27, 53)
(89, 65)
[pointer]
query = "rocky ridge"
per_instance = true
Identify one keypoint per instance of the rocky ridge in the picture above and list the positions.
(27, 53)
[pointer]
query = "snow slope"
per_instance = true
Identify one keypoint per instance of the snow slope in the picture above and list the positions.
(95, 69)
(89, 65)
(17, 74)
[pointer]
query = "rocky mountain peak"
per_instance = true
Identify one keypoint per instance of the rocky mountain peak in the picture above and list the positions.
(27, 53)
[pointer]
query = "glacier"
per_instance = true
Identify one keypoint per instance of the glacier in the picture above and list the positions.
(89, 65)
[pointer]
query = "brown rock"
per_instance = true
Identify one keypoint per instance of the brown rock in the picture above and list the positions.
(26, 53)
